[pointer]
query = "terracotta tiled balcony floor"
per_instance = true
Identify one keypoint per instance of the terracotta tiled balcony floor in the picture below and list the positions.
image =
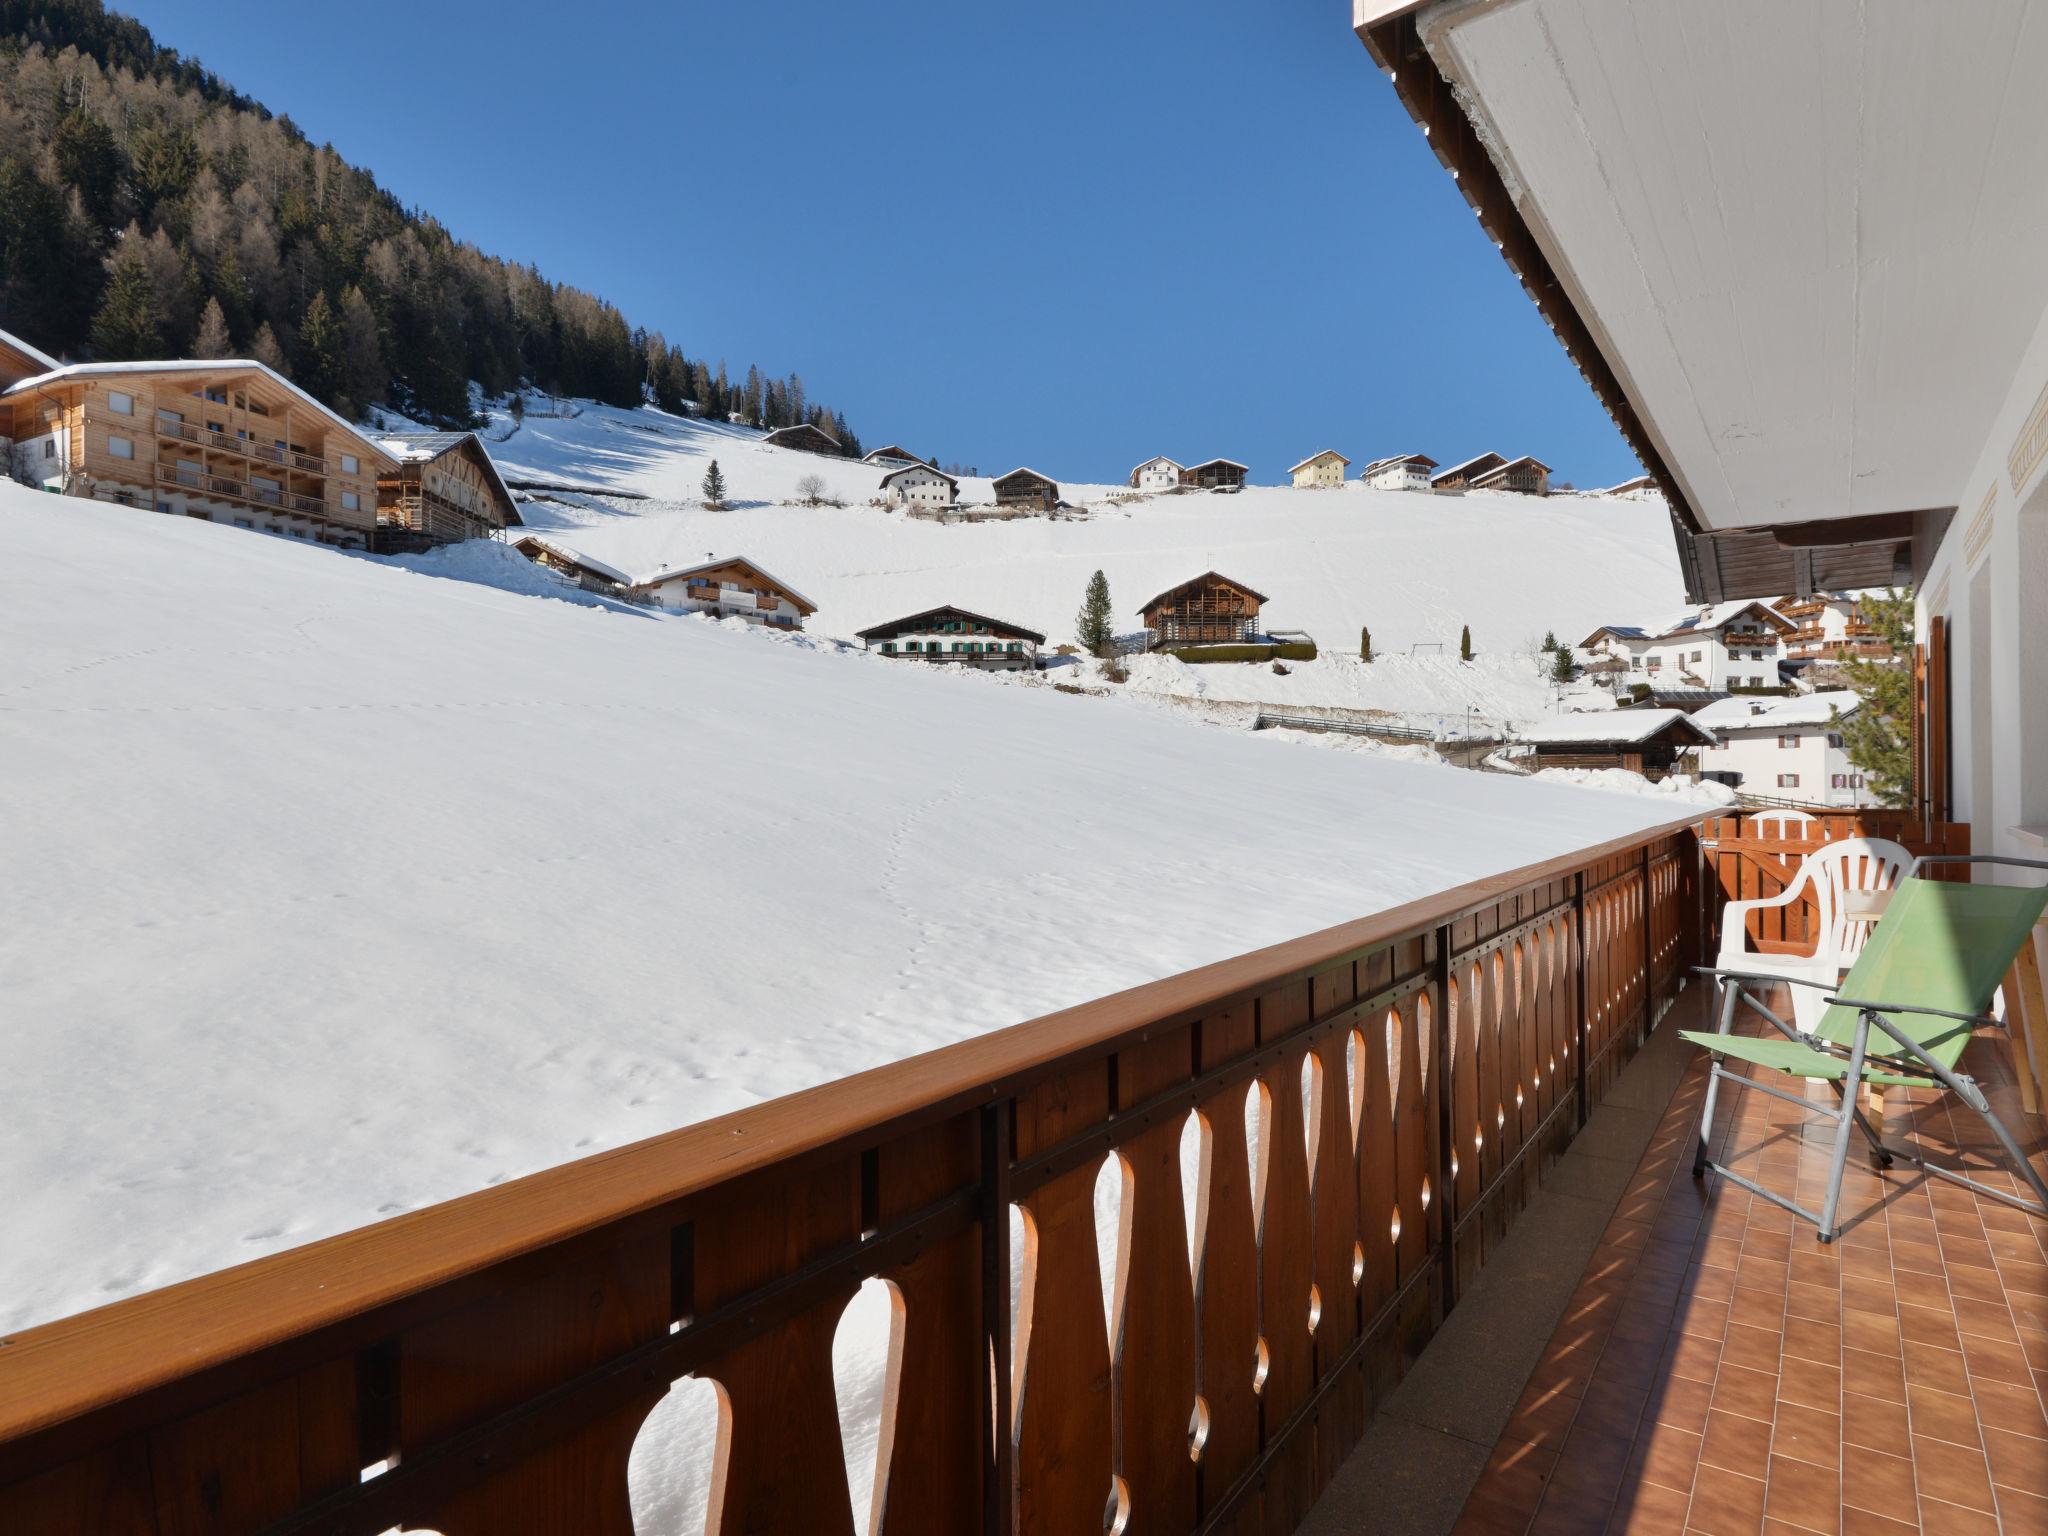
(1718, 1370)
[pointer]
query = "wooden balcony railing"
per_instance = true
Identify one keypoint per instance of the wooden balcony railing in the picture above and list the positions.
(485, 1365)
(269, 453)
(208, 484)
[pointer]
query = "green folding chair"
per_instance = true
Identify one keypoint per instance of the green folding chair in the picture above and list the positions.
(1900, 1018)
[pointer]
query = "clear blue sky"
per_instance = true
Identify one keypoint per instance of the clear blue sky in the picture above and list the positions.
(1073, 233)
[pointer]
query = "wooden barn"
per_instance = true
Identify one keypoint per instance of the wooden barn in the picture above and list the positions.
(1526, 476)
(1209, 610)
(1215, 475)
(1459, 476)
(1026, 488)
(957, 637)
(1652, 742)
(443, 488)
(805, 438)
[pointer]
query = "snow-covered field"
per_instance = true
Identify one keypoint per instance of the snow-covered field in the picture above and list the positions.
(1413, 568)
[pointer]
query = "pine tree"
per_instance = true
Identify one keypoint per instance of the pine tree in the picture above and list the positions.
(213, 339)
(1094, 624)
(363, 377)
(265, 350)
(714, 487)
(130, 322)
(319, 370)
(1879, 736)
(1364, 643)
(1562, 668)
(1465, 643)
(1550, 642)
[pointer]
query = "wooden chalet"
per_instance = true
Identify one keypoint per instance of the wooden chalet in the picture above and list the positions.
(890, 457)
(591, 575)
(444, 488)
(1211, 609)
(1639, 486)
(1650, 742)
(1026, 488)
(19, 360)
(1320, 470)
(1525, 476)
(227, 441)
(958, 637)
(805, 438)
(1459, 476)
(1215, 475)
(733, 588)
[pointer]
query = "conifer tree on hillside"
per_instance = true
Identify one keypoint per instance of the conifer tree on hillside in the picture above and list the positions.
(1562, 668)
(1879, 736)
(1465, 643)
(1364, 643)
(1550, 642)
(213, 339)
(1094, 625)
(265, 349)
(319, 369)
(714, 487)
(130, 322)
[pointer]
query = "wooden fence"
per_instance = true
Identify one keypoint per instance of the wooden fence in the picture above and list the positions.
(483, 1367)
(1757, 855)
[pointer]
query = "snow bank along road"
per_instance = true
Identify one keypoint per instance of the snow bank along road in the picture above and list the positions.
(333, 888)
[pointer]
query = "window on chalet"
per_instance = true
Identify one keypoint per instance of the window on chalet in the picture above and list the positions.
(888, 647)
(349, 464)
(119, 403)
(351, 502)
(121, 447)
(1835, 740)
(1788, 781)
(1788, 741)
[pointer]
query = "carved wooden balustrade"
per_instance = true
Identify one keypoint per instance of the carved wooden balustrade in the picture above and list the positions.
(483, 1367)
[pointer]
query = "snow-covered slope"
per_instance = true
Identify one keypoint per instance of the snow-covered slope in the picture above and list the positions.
(331, 887)
(1412, 567)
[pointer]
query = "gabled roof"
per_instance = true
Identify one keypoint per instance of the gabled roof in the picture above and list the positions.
(70, 371)
(1210, 463)
(1175, 591)
(1021, 470)
(1400, 458)
(423, 447)
(1619, 631)
(1157, 458)
(891, 451)
(799, 429)
(1639, 483)
(1471, 465)
(917, 620)
(34, 354)
(1761, 712)
(1501, 469)
(1327, 453)
(1618, 727)
(683, 572)
(1719, 615)
(914, 466)
(562, 552)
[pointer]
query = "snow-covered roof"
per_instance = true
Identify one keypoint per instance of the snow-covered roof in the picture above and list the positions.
(1501, 469)
(1619, 726)
(590, 563)
(684, 571)
(422, 447)
(33, 354)
(1750, 711)
(916, 620)
(191, 365)
(1157, 458)
(1400, 458)
(1619, 631)
(918, 465)
(1182, 586)
(1718, 615)
(1207, 463)
(796, 429)
(1327, 453)
(1480, 458)
(1022, 470)
(890, 451)
(1639, 483)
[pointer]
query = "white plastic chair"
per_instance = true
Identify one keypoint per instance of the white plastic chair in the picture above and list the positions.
(1830, 871)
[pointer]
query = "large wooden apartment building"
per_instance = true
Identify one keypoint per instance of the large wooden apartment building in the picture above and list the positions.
(228, 441)
(442, 488)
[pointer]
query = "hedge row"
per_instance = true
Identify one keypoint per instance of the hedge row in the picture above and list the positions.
(1293, 651)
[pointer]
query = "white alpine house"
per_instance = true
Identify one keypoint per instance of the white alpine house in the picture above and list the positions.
(919, 485)
(1789, 749)
(1156, 474)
